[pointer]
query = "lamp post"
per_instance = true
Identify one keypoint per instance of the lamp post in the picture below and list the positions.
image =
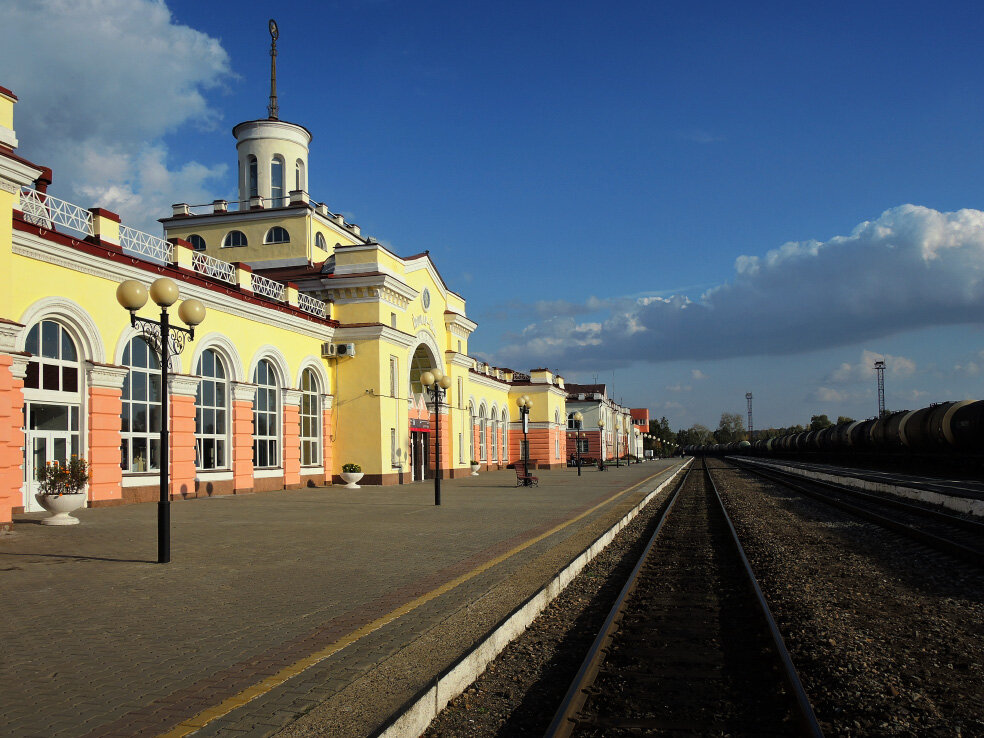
(618, 427)
(525, 405)
(437, 383)
(165, 339)
(577, 439)
(601, 438)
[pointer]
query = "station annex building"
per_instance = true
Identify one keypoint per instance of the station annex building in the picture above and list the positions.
(310, 355)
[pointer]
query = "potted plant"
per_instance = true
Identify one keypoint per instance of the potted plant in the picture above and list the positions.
(61, 490)
(351, 473)
(475, 466)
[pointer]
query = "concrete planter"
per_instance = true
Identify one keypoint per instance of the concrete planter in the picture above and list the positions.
(475, 468)
(351, 478)
(60, 506)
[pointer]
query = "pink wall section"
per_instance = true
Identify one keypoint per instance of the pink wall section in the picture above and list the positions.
(105, 474)
(292, 447)
(242, 445)
(327, 448)
(11, 442)
(182, 453)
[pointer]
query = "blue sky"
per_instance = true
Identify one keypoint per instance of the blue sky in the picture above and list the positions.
(720, 192)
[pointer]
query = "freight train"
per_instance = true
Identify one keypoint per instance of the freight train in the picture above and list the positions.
(945, 430)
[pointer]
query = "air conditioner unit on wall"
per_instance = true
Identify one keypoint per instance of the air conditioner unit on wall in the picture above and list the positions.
(344, 349)
(328, 350)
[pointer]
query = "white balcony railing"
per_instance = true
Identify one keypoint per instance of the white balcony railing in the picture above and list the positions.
(48, 211)
(312, 305)
(269, 288)
(209, 266)
(138, 243)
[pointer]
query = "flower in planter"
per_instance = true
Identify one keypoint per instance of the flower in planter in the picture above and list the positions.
(474, 463)
(55, 479)
(351, 468)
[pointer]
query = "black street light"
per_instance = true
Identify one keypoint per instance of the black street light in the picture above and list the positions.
(618, 427)
(165, 339)
(601, 439)
(577, 439)
(437, 383)
(525, 405)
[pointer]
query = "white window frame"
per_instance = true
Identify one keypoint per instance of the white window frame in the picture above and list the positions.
(267, 394)
(146, 378)
(220, 440)
(310, 419)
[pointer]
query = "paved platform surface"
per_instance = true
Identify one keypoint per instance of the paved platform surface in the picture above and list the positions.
(306, 612)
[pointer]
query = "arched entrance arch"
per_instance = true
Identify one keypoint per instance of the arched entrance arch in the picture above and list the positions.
(423, 357)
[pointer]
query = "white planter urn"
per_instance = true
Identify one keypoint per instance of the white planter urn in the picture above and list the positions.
(351, 478)
(60, 506)
(475, 468)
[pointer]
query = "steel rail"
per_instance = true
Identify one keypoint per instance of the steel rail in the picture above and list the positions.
(806, 715)
(563, 721)
(957, 550)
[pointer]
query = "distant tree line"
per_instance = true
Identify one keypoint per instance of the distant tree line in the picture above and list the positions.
(731, 428)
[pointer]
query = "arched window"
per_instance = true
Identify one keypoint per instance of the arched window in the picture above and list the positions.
(482, 428)
(277, 235)
(196, 241)
(52, 402)
(266, 414)
(494, 443)
(310, 419)
(299, 183)
(55, 364)
(319, 241)
(571, 423)
(557, 416)
(140, 444)
(211, 412)
(234, 238)
(253, 183)
(276, 182)
(471, 432)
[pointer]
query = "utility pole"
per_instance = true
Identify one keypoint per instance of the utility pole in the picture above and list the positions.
(880, 371)
(751, 427)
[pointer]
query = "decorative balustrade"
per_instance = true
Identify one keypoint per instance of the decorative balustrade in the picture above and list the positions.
(138, 243)
(209, 266)
(312, 305)
(269, 288)
(45, 210)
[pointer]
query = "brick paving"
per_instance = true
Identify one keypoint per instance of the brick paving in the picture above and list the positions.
(99, 640)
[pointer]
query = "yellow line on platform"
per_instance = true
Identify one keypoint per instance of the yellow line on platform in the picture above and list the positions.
(259, 689)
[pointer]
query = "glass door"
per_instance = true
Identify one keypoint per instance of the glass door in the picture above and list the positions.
(51, 435)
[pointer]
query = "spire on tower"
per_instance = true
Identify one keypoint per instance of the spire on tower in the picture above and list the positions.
(272, 109)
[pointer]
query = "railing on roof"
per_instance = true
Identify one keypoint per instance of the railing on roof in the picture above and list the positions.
(209, 266)
(138, 243)
(240, 206)
(312, 305)
(269, 288)
(46, 210)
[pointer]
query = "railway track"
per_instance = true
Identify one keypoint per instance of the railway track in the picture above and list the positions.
(689, 647)
(957, 536)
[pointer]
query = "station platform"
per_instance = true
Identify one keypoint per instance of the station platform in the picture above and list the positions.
(304, 612)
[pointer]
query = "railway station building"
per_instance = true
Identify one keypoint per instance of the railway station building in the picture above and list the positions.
(310, 355)
(607, 428)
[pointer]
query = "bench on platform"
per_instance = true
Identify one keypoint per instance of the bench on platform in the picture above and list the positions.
(523, 477)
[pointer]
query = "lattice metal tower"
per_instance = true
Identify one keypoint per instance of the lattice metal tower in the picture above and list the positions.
(751, 427)
(880, 371)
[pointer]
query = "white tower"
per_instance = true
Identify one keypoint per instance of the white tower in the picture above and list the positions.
(273, 154)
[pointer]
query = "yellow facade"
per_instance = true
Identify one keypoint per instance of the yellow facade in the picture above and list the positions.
(349, 327)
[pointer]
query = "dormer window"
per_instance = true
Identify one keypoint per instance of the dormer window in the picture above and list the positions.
(277, 235)
(299, 183)
(234, 238)
(196, 241)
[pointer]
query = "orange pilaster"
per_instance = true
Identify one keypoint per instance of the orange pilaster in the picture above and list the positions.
(182, 451)
(11, 439)
(105, 473)
(445, 441)
(242, 446)
(292, 440)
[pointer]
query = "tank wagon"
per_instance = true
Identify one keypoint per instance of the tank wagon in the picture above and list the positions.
(943, 431)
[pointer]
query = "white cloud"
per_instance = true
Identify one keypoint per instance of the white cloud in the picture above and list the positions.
(697, 374)
(829, 394)
(679, 388)
(864, 370)
(912, 268)
(100, 84)
(971, 368)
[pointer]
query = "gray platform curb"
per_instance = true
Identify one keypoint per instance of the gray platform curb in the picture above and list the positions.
(960, 504)
(412, 720)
